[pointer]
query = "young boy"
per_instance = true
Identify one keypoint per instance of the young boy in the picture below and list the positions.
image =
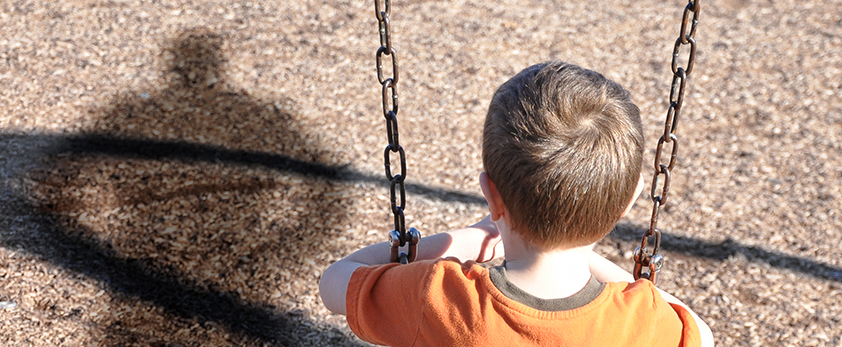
(562, 150)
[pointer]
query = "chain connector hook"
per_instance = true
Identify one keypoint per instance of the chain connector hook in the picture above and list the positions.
(653, 263)
(410, 240)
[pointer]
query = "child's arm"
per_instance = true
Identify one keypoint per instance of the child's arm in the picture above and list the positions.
(479, 242)
(606, 271)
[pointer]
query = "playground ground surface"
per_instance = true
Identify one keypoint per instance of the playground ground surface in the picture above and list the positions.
(179, 173)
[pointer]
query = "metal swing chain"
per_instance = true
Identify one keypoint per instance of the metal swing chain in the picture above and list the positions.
(642, 257)
(399, 237)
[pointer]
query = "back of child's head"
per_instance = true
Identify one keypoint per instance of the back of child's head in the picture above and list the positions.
(564, 147)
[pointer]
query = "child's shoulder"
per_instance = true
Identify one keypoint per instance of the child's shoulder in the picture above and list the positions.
(442, 276)
(453, 267)
(639, 289)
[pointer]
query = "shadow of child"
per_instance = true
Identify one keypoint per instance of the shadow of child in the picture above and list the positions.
(216, 202)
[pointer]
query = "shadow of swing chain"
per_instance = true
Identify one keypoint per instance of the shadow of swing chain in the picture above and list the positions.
(192, 152)
(642, 257)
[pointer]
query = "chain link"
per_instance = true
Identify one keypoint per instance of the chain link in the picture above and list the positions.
(399, 237)
(642, 258)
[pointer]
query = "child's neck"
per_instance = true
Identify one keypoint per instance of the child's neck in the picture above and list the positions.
(550, 274)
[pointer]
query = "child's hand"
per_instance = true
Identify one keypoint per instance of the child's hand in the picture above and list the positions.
(489, 226)
(491, 246)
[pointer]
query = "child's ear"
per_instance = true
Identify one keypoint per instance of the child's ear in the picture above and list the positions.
(637, 192)
(492, 195)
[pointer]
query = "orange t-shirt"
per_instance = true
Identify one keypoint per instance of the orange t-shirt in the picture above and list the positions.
(447, 303)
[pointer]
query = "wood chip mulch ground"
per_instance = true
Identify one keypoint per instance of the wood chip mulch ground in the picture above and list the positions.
(179, 173)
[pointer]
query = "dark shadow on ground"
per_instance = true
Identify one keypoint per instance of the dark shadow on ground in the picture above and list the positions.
(720, 251)
(191, 152)
(196, 204)
(181, 304)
